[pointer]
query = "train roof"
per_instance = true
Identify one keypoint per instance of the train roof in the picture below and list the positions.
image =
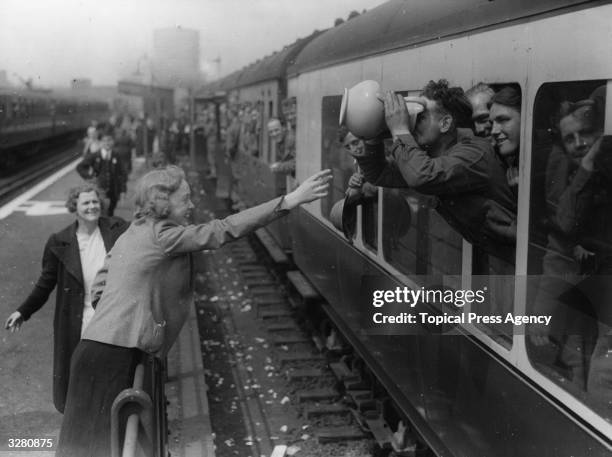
(218, 88)
(275, 65)
(55, 95)
(269, 68)
(400, 23)
(23, 92)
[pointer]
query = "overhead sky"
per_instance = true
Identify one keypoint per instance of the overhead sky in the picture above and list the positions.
(54, 41)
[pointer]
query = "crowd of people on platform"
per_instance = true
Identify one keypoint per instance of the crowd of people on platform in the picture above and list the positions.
(124, 290)
(240, 130)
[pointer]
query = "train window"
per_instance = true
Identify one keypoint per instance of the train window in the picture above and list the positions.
(250, 131)
(369, 216)
(416, 239)
(271, 149)
(333, 153)
(570, 240)
(336, 146)
(494, 269)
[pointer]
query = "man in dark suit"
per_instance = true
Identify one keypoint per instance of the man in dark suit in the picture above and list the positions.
(107, 169)
(124, 144)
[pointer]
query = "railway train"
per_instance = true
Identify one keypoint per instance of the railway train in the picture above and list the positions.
(29, 117)
(474, 388)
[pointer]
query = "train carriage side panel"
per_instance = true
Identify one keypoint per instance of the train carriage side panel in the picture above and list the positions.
(257, 181)
(308, 132)
(463, 400)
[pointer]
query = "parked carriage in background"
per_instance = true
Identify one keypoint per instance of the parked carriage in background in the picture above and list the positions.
(32, 117)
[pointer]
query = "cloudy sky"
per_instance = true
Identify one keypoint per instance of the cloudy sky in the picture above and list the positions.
(53, 41)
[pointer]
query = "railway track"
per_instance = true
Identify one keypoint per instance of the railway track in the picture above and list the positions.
(296, 383)
(36, 170)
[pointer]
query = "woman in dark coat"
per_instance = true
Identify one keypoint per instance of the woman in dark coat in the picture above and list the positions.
(62, 267)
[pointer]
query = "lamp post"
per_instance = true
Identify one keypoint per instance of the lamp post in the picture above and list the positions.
(192, 153)
(148, 94)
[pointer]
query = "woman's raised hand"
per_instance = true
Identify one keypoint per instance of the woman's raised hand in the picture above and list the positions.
(311, 189)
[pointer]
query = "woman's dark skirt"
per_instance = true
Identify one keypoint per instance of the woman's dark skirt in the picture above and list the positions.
(98, 373)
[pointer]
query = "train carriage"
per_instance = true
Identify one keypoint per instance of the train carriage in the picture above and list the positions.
(30, 117)
(484, 389)
(259, 91)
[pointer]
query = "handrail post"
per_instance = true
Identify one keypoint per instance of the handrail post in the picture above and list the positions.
(140, 402)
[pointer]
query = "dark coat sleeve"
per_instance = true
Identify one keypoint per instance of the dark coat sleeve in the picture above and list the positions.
(85, 167)
(119, 226)
(121, 176)
(99, 282)
(460, 171)
(45, 284)
(377, 170)
(576, 203)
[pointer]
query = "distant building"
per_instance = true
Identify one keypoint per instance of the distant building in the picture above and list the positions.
(3, 79)
(176, 57)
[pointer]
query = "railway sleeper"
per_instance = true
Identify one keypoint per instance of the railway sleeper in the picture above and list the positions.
(268, 296)
(325, 409)
(261, 284)
(256, 275)
(282, 327)
(274, 303)
(319, 394)
(253, 269)
(276, 300)
(274, 313)
(245, 258)
(337, 434)
(290, 339)
(247, 261)
(300, 357)
(304, 373)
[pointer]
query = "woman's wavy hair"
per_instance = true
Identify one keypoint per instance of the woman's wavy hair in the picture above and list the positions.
(154, 189)
(73, 195)
(508, 96)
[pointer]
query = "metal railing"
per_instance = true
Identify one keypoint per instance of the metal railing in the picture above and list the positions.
(138, 414)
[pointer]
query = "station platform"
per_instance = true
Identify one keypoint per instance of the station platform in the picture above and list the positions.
(26, 357)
